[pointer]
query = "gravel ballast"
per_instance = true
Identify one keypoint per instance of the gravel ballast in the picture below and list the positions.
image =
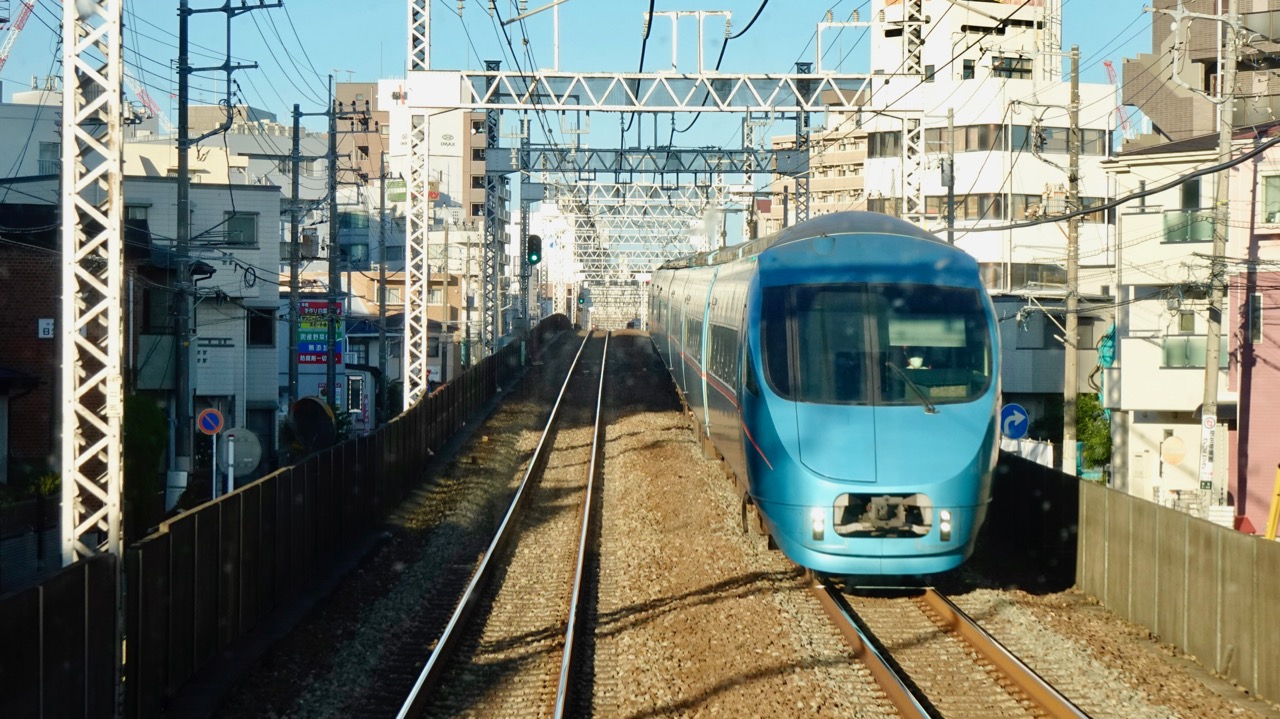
(693, 617)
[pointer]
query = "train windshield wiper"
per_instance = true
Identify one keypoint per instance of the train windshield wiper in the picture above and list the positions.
(924, 397)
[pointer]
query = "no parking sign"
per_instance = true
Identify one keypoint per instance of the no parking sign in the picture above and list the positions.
(209, 422)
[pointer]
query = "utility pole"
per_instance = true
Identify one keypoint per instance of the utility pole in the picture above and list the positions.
(382, 288)
(1070, 381)
(295, 255)
(949, 176)
(335, 274)
(1217, 270)
(185, 441)
(183, 431)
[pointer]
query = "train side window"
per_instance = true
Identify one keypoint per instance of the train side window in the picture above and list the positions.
(773, 331)
(749, 372)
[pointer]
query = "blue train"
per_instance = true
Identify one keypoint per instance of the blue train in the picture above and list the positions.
(847, 371)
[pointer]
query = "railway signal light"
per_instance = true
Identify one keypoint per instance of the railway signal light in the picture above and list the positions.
(581, 300)
(533, 250)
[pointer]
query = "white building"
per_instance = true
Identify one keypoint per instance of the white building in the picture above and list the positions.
(1156, 388)
(1009, 97)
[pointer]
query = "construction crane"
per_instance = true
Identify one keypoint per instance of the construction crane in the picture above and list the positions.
(13, 29)
(141, 93)
(1122, 113)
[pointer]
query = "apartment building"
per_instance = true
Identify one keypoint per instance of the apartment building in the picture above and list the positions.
(1185, 62)
(1156, 388)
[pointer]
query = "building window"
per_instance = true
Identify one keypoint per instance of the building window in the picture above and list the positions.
(1191, 194)
(1011, 67)
(1187, 322)
(477, 182)
(884, 144)
(395, 295)
(358, 353)
(477, 154)
(50, 158)
(157, 310)
(477, 209)
(928, 73)
(435, 296)
(241, 229)
(1255, 318)
(260, 327)
(967, 72)
(1271, 199)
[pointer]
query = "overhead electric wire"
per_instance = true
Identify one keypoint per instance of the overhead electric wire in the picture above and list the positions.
(644, 44)
(1254, 152)
(288, 16)
(309, 93)
(719, 59)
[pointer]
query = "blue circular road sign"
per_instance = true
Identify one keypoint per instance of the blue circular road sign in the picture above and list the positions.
(1014, 421)
(210, 422)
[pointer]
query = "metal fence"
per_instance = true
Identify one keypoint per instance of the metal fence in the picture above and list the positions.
(59, 646)
(30, 542)
(207, 577)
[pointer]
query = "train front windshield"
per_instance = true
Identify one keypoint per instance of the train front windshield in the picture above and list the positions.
(882, 344)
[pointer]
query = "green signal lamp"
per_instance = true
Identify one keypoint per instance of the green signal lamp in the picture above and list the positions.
(533, 250)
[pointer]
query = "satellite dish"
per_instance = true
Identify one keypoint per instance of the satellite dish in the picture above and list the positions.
(248, 450)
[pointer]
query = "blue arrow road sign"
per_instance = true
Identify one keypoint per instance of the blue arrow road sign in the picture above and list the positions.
(1014, 421)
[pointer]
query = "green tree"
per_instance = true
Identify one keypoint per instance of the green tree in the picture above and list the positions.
(1094, 429)
(146, 435)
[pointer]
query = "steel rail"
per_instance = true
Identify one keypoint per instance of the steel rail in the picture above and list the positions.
(897, 691)
(584, 542)
(431, 674)
(1036, 688)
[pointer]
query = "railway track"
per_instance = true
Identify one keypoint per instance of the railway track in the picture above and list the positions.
(933, 660)
(508, 649)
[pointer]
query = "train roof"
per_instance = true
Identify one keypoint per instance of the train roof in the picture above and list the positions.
(837, 223)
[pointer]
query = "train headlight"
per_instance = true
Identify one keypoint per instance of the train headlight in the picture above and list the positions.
(945, 515)
(944, 526)
(817, 524)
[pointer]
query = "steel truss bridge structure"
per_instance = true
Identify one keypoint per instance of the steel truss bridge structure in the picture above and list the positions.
(624, 230)
(616, 239)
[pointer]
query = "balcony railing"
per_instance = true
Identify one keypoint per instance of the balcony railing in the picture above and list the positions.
(50, 167)
(1180, 351)
(1188, 226)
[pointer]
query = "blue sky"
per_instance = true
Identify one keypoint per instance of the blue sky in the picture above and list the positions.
(298, 46)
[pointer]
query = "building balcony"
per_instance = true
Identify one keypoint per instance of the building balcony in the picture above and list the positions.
(1188, 226)
(1165, 373)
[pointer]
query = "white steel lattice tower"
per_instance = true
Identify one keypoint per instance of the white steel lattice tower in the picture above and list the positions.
(91, 329)
(415, 247)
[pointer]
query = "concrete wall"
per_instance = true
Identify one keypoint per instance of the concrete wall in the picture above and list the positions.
(1206, 589)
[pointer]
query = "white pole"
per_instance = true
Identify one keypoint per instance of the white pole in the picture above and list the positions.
(231, 462)
(213, 472)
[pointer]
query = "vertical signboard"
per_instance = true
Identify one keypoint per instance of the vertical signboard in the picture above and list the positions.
(313, 332)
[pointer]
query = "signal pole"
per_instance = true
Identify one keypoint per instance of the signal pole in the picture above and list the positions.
(1070, 385)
